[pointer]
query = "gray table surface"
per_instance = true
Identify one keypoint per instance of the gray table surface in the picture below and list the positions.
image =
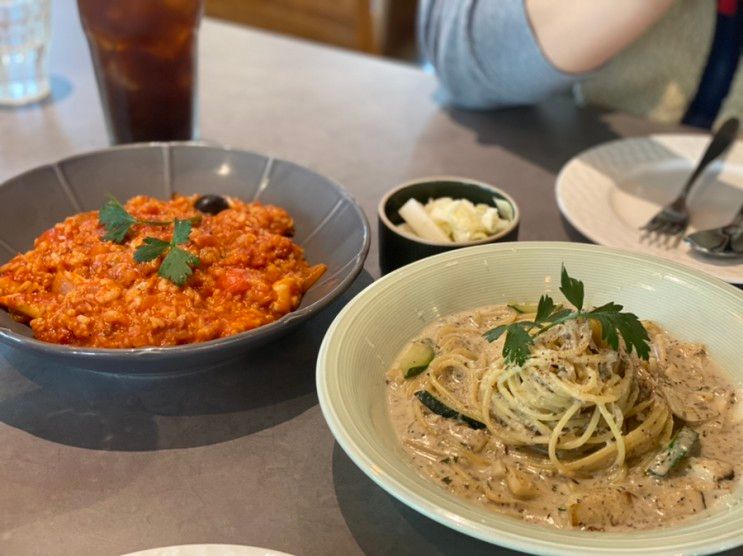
(96, 465)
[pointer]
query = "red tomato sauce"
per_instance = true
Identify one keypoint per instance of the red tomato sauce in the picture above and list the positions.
(75, 288)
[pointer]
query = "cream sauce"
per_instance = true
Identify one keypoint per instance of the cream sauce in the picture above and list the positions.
(476, 465)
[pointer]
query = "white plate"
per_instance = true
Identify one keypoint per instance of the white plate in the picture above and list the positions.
(372, 328)
(609, 191)
(208, 550)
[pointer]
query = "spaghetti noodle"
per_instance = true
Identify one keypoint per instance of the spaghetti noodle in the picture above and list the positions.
(577, 412)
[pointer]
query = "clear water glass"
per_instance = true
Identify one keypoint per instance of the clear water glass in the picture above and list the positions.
(25, 30)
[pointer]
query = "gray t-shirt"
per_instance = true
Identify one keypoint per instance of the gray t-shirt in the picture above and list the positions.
(485, 53)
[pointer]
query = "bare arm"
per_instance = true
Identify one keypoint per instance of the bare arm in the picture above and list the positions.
(493, 53)
(579, 36)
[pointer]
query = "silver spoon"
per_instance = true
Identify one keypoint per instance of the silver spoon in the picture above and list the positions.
(726, 241)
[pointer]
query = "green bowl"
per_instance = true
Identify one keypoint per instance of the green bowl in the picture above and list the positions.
(365, 337)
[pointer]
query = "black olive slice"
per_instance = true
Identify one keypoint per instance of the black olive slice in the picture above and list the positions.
(211, 204)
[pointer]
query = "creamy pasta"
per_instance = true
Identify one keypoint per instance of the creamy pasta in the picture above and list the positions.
(567, 439)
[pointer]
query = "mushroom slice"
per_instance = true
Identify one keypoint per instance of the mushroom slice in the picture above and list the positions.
(711, 470)
(682, 501)
(601, 508)
(688, 404)
(520, 485)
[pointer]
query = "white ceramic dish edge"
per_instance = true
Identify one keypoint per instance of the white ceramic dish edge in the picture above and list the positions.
(471, 527)
(681, 149)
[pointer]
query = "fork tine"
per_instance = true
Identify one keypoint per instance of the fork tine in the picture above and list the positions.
(652, 225)
(673, 218)
(651, 236)
(663, 225)
(667, 233)
(672, 233)
(660, 233)
(669, 228)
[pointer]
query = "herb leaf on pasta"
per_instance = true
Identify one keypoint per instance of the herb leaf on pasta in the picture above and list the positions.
(615, 323)
(571, 288)
(545, 308)
(517, 347)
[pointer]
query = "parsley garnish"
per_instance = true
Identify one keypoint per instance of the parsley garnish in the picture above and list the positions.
(117, 222)
(178, 263)
(614, 323)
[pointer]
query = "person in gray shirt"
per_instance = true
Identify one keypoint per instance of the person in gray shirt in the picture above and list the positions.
(642, 56)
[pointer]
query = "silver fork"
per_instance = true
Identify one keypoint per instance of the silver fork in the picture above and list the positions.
(673, 219)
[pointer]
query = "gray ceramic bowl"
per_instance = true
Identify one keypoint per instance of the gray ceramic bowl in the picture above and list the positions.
(397, 248)
(330, 227)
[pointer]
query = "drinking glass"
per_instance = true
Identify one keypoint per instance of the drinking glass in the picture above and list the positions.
(144, 54)
(25, 30)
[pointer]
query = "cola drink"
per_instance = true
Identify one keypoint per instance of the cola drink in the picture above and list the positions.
(145, 53)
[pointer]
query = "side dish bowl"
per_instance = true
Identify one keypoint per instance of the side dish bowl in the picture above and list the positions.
(398, 248)
(330, 227)
(370, 331)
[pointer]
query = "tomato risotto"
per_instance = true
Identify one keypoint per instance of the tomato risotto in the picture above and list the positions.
(242, 271)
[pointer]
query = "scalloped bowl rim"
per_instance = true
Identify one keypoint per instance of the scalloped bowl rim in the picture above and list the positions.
(14, 339)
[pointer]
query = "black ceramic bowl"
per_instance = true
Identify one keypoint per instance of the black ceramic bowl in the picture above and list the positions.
(398, 248)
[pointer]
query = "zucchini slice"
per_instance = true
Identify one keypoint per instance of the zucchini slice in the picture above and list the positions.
(416, 358)
(679, 447)
(440, 408)
(522, 308)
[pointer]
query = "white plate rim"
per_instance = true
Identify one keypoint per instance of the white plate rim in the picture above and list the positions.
(729, 273)
(198, 550)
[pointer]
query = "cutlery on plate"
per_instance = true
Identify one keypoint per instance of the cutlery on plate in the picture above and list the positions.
(725, 241)
(673, 219)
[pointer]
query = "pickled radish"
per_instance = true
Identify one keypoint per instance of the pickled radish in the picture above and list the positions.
(415, 216)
